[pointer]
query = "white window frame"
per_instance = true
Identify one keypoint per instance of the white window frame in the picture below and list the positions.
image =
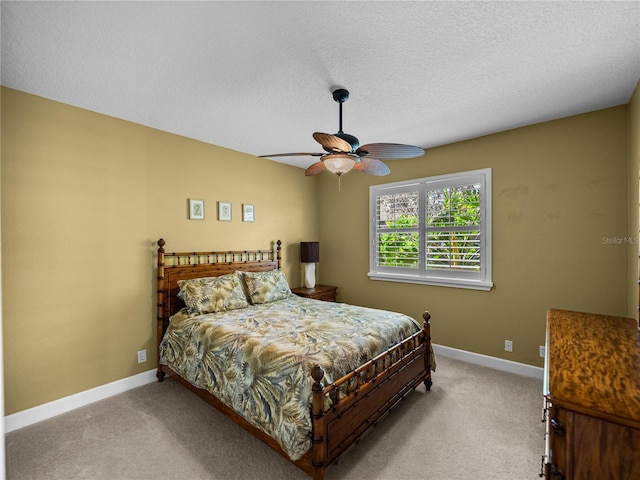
(481, 280)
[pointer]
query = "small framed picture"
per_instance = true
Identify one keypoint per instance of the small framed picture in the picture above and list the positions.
(248, 213)
(224, 211)
(196, 209)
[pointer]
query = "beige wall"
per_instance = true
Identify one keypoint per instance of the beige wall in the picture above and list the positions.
(97, 192)
(84, 198)
(558, 189)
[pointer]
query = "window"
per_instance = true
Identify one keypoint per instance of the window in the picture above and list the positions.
(434, 230)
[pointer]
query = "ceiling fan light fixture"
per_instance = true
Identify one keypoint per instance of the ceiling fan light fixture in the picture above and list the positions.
(339, 163)
(344, 153)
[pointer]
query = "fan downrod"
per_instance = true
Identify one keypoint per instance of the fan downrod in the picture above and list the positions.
(341, 95)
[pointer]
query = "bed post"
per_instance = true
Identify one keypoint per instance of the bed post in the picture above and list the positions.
(278, 252)
(426, 328)
(318, 444)
(161, 300)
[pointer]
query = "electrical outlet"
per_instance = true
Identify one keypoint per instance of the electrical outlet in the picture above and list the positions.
(543, 351)
(508, 346)
(142, 356)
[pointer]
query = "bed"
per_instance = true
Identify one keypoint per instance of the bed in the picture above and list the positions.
(252, 346)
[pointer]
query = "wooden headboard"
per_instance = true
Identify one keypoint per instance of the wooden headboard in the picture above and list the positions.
(185, 265)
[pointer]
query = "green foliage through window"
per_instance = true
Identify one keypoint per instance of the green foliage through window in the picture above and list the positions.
(399, 249)
(452, 229)
(452, 240)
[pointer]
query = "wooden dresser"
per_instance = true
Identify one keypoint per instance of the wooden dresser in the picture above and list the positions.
(328, 293)
(592, 395)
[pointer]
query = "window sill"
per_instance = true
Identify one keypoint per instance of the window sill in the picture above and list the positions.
(440, 282)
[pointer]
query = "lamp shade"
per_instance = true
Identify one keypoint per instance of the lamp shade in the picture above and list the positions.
(309, 252)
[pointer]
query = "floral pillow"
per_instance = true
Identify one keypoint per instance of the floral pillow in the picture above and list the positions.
(264, 287)
(213, 294)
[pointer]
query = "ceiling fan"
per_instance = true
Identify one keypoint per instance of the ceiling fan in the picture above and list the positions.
(344, 153)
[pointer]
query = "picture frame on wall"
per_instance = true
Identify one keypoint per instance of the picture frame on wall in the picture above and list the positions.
(224, 211)
(196, 209)
(248, 213)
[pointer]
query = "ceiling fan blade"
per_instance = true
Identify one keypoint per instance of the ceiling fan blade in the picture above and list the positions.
(390, 151)
(315, 169)
(372, 166)
(332, 143)
(306, 154)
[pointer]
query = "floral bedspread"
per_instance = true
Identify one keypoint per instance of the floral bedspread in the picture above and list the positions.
(258, 360)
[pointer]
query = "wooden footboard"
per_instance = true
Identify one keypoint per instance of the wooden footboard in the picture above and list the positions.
(366, 395)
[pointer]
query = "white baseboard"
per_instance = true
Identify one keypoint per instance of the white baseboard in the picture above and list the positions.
(491, 362)
(48, 410)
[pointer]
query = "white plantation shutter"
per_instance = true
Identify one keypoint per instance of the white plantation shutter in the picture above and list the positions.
(434, 230)
(397, 214)
(453, 229)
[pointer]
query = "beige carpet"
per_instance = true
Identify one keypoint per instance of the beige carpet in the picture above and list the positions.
(475, 423)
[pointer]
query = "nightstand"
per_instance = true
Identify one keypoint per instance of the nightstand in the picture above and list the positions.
(327, 293)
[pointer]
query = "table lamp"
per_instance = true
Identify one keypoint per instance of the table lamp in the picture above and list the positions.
(309, 255)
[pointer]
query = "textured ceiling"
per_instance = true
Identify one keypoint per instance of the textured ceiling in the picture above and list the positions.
(257, 76)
